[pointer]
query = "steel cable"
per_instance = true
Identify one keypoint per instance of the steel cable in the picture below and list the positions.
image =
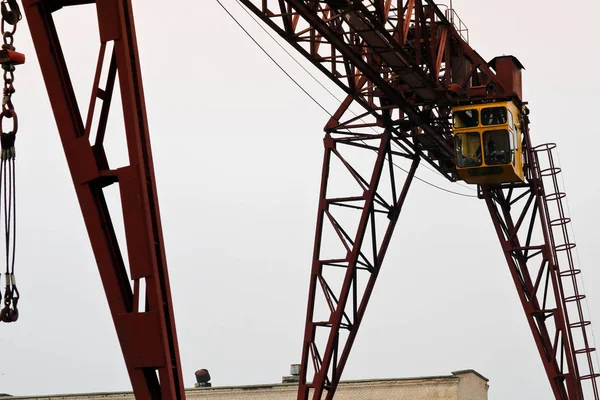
(11, 15)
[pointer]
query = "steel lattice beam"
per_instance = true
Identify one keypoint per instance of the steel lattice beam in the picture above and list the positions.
(375, 202)
(139, 298)
(521, 216)
(377, 58)
(534, 277)
(406, 64)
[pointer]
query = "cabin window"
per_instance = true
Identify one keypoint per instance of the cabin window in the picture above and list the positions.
(465, 118)
(512, 131)
(494, 116)
(513, 143)
(497, 147)
(468, 149)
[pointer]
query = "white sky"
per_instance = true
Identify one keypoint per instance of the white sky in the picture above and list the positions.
(237, 152)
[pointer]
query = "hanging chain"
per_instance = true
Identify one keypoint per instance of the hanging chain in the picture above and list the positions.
(11, 15)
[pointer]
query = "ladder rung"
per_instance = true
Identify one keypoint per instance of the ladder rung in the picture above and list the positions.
(564, 246)
(585, 350)
(555, 196)
(570, 272)
(544, 147)
(560, 221)
(579, 324)
(550, 171)
(590, 376)
(576, 297)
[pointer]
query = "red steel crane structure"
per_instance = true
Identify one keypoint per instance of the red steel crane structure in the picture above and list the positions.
(405, 63)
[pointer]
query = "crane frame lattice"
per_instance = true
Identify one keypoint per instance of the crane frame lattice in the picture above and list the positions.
(405, 64)
(404, 59)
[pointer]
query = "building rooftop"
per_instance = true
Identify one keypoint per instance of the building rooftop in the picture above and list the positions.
(460, 385)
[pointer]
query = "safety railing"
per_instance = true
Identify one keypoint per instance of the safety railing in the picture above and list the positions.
(458, 24)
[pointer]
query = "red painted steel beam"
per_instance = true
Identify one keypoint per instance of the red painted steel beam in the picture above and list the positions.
(521, 217)
(357, 61)
(404, 58)
(139, 297)
(402, 81)
(350, 42)
(525, 282)
(366, 69)
(363, 247)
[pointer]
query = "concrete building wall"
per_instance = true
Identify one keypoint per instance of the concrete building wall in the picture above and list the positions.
(417, 389)
(472, 385)
(461, 385)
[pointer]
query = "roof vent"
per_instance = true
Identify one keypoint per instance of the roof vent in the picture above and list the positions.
(295, 370)
(202, 378)
(294, 374)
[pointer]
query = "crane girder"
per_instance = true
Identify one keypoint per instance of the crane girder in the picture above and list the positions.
(405, 57)
(405, 63)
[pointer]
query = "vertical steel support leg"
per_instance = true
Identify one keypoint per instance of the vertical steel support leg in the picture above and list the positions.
(533, 281)
(520, 216)
(139, 299)
(362, 246)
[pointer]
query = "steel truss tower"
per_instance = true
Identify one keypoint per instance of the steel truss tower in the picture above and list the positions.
(404, 63)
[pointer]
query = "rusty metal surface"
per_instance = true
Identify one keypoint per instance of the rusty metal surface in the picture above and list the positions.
(405, 54)
(537, 248)
(145, 328)
(360, 256)
(361, 241)
(405, 64)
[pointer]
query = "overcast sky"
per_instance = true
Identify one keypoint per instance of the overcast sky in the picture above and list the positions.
(238, 152)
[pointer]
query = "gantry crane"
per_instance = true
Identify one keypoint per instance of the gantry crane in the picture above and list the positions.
(408, 65)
